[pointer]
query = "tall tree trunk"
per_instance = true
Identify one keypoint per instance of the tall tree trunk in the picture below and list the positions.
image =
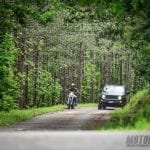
(120, 68)
(36, 65)
(26, 88)
(81, 61)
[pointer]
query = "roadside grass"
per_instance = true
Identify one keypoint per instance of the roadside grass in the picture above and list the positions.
(143, 125)
(87, 105)
(15, 116)
(134, 116)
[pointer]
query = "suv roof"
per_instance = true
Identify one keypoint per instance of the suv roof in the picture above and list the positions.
(113, 90)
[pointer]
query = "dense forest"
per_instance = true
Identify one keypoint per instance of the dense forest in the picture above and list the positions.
(45, 45)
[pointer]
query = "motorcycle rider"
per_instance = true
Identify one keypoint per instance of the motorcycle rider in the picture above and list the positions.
(75, 91)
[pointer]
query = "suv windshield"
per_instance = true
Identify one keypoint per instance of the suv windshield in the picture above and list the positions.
(114, 90)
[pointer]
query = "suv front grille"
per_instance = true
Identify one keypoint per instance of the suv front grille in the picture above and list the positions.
(111, 97)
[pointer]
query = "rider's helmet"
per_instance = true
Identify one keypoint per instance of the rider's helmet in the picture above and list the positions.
(72, 84)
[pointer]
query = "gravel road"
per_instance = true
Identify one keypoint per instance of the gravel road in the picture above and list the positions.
(76, 119)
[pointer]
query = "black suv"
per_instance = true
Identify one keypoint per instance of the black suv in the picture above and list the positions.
(112, 96)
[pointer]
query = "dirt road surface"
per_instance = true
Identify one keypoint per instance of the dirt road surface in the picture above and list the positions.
(76, 119)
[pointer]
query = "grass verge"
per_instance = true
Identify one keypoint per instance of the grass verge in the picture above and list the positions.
(134, 116)
(87, 105)
(15, 116)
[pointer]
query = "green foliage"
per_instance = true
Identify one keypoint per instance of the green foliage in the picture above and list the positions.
(141, 5)
(144, 67)
(136, 112)
(8, 84)
(15, 13)
(48, 88)
(91, 76)
(136, 36)
(46, 17)
(56, 48)
(118, 10)
(86, 2)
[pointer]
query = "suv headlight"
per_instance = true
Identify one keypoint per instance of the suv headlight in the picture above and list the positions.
(119, 97)
(103, 96)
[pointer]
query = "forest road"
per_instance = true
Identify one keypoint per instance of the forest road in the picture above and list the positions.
(73, 119)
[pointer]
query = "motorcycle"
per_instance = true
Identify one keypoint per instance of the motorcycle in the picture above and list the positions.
(71, 100)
